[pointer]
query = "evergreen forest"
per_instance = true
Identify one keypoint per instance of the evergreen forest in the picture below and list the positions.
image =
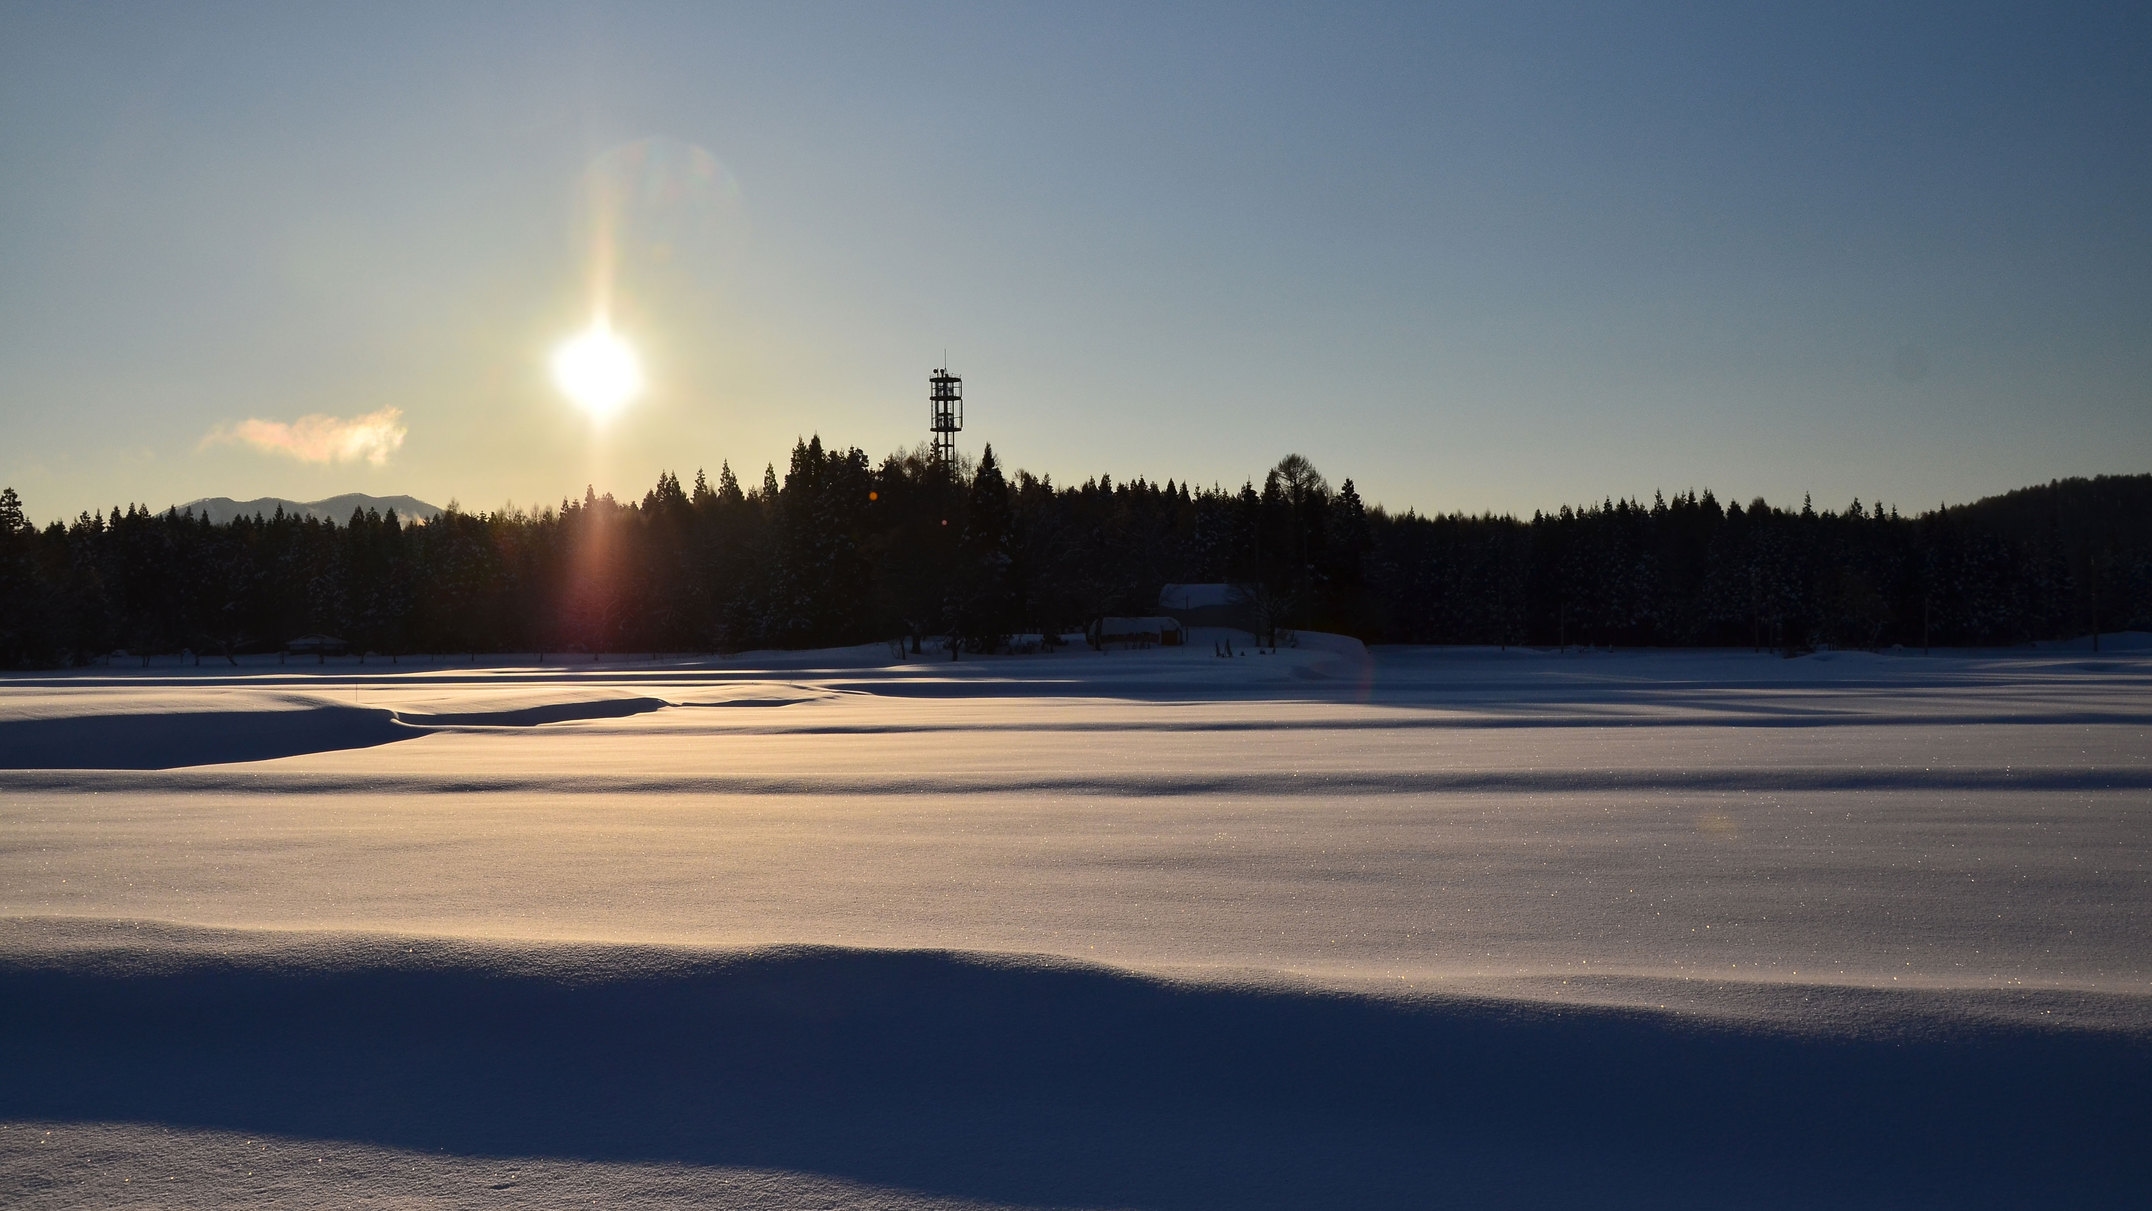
(843, 550)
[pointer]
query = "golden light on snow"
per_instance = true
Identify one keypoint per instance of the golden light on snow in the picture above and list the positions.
(598, 371)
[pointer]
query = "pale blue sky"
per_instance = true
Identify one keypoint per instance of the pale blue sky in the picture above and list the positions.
(1476, 257)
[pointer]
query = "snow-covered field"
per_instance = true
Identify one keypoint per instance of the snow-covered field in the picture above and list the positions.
(1154, 929)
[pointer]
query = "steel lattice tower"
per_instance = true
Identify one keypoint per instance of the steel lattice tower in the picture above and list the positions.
(945, 413)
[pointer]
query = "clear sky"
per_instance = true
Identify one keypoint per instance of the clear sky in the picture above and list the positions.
(1475, 257)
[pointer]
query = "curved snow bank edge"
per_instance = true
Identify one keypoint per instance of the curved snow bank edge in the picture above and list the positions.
(181, 739)
(532, 716)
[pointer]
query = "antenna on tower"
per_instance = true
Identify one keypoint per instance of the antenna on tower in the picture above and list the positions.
(945, 412)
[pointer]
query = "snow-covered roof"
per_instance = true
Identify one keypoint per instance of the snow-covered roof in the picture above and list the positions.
(1198, 596)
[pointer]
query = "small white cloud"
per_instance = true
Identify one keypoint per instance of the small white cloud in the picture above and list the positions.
(319, 439)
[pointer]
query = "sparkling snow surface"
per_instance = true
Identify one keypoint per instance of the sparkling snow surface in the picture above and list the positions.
(1829, 852)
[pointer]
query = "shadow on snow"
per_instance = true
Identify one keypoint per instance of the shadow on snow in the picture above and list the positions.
(1063, 1084)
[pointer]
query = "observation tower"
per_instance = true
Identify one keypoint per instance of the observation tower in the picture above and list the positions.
(945, 413)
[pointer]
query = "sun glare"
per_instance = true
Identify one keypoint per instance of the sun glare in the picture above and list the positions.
(599, 371)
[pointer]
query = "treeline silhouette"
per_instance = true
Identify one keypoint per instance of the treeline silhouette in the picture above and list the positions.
(843, 550)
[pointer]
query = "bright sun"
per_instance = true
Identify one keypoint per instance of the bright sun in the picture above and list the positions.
(598, 371)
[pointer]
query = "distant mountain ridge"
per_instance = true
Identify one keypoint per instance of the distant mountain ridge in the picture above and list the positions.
(221, 510)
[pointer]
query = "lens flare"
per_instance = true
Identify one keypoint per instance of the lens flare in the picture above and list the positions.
(599, 371)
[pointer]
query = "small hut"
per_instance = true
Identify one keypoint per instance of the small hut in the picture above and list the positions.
(320, 647)
(1159, 631)
(1207, 605)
